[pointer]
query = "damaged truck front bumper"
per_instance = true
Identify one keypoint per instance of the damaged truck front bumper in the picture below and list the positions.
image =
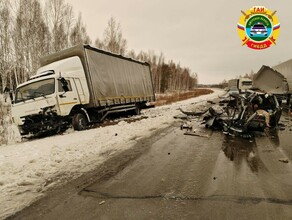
(45, 121)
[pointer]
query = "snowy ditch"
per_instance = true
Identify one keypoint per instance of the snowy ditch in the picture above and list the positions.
(29, 169)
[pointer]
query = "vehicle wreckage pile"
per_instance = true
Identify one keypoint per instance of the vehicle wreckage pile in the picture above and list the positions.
(237, 114)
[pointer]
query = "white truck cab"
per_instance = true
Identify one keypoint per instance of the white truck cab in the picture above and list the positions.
(45, 92)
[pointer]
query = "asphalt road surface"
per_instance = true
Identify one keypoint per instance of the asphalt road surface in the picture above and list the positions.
(176, 176)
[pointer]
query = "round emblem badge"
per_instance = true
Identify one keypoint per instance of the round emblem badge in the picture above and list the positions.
(258, 28)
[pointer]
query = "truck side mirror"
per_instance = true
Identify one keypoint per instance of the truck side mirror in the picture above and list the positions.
(64, 84)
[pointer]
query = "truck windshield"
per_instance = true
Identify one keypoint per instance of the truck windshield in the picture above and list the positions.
(246, 83)
(34, 90)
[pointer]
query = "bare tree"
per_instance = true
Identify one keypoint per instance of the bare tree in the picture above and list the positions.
(99, 43)
(40, 38)
(30, 39)
(5, 43)
(159, 72)
(68, 23)
(131, 54)
(113, 38)
(55, 13)
(78, 34)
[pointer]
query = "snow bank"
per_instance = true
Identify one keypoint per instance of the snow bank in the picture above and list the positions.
(28, 169)
(9, 133)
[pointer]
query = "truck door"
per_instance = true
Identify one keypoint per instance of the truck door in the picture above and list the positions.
(80, 90)
(67, 100)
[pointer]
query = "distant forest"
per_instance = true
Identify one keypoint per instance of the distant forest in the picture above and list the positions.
(30, 29)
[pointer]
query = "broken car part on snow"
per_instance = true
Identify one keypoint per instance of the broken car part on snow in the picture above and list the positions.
(238, 115)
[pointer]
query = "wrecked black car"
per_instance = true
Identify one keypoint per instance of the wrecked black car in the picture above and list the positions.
(240, 114)
(245, 112)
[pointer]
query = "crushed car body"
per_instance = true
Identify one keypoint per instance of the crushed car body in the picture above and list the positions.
(242, 114)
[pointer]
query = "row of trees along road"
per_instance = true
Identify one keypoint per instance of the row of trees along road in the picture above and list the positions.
(31, 29)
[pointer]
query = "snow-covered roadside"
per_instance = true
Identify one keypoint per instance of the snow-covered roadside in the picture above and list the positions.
(28, 169)
(8, 132)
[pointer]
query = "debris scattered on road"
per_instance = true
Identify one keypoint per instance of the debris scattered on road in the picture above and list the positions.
(102, 202)
(284, 160)
(195, 134)
(211, 102)
(187, 125)
(193, 113)
(183, 117)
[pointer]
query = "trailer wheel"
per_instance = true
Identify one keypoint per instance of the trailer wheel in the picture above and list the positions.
(79, 122)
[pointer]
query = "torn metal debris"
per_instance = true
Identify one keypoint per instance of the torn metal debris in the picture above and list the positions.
(284, 160)
(241, 114)
(195, 134)
(193, 113)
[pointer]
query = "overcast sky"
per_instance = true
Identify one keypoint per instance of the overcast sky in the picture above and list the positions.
(200, 34)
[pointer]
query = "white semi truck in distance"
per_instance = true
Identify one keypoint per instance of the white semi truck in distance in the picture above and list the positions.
(241, 84)
(78, 86)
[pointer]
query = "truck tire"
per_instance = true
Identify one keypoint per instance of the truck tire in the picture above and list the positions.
(79, 122)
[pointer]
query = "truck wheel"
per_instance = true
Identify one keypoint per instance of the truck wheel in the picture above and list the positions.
(79, 122)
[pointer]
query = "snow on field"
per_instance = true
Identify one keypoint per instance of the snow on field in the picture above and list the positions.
(30, 168)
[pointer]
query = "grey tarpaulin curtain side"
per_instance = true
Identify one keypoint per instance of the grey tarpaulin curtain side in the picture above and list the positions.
(116, 80)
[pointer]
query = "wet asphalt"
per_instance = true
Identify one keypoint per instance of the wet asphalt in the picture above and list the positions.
(175, 176)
